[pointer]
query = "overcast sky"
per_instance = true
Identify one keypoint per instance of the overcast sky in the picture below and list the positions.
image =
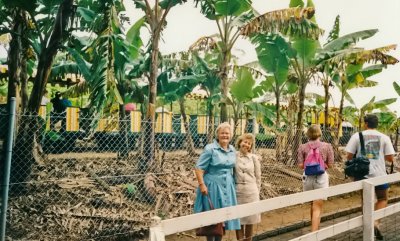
(186, 25)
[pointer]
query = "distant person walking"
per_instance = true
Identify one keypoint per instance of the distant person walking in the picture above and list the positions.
(314, 157)
(58, 112)
(248, 183)
(378, 148)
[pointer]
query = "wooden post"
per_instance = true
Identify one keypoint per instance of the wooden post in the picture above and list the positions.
(368, 210)
(156, 232)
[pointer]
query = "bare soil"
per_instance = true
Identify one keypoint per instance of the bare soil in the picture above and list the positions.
(96, 196)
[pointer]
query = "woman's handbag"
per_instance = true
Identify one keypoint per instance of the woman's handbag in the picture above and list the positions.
(211, 230)
(358, 167)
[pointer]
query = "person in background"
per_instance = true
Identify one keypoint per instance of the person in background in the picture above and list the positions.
(214, 172)
(59, 111)
(378, 148)
(45, 100)
(65, 101)
(248, 183)
(312, 182)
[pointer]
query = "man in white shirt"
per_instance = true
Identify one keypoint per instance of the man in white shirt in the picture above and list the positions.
(378, 148)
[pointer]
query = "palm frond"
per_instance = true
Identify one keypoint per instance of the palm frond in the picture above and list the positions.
(204, 43)
(177, 62)
(255, 71)
(334, 33)
(79, 89)
(360, 55)
(290, 22)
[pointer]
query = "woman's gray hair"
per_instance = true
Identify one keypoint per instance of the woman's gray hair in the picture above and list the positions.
(224, 125)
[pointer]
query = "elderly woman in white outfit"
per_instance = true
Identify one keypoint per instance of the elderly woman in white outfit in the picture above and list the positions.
(248, 183)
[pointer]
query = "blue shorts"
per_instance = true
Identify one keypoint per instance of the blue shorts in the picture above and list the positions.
(381, 191)
(382, 187)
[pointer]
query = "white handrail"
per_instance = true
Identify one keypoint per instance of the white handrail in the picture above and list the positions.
(190, 222)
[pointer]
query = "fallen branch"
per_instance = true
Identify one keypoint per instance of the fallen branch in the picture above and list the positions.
(290, 173)
(98, 179)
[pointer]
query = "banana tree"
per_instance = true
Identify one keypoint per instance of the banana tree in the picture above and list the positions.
(51, 34)
(335, 44)
(155, 18)
(374, 105)
(244, 90)
(396, 125)
(326, 78)
(211, 85)
(14, 20)
(228, 15)
(175, 88)
(389, 123)
(350, 72)
(303, 40)
(105, 61)
(236, 17)
(353, 76)
(274, 54)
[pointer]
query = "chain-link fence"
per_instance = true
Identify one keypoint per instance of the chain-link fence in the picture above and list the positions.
(77, 178)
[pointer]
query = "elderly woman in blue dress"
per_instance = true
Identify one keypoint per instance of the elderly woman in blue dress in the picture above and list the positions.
(214, 172)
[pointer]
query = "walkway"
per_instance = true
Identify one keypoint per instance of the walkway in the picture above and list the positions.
(390, 227)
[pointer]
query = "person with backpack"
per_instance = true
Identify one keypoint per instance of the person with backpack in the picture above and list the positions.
(314, 157)
(378, 148)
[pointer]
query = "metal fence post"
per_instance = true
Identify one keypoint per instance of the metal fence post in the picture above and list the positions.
(7, 167)
(156, 232)
(368, 210)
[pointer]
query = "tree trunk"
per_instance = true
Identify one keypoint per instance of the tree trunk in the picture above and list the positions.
(224, 85)
(299, 123)
(236, 118)
(280, 139)
(360, 117)
(124, 125)
(277, 110)
(48, 53)
(326, 112)
(24, 82)
(147, 164)
(396, 139)
(188, 136)
(27, 150)
(14, 59)
(292, 109)
(338, 125)
(210, 125)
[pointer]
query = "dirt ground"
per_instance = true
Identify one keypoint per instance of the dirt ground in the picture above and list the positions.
(96, 195)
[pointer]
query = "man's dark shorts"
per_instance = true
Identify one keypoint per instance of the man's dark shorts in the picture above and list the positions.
(381, 191)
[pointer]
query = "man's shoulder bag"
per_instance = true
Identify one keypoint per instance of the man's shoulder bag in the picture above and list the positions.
(358, 167)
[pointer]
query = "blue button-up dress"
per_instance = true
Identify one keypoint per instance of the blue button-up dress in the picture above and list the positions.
(218, 165)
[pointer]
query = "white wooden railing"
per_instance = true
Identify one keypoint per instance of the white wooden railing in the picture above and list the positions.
(161, 228)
